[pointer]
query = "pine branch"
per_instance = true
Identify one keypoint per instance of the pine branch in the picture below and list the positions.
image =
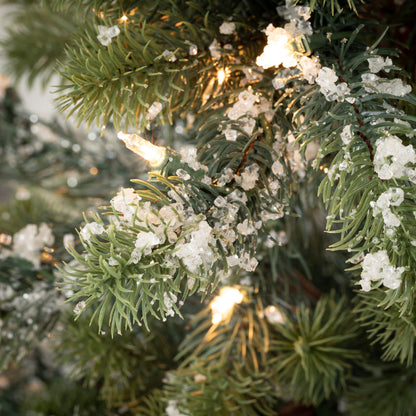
(36, 41)
(354, 130)
(384, 389)
(145, 65)
(314, 352)
(224, 366)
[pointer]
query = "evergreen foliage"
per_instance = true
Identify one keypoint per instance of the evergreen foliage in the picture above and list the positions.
(262, 156)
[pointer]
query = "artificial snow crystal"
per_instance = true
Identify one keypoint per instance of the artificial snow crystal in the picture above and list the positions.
(172, 409)
(92, 228)
(252, 74)
(183, 174)
(193, 49)
(391, 158)
(248, 263)
(197, 251)
(112, 261)
(278, 82)
(274, 238)
(248, 125)
(405, 124)
(79, 307)
(298, 28)
(396, 87)
(310, 68)
(326, 80)
(238, 195)
(169, 299)
(230, 134)
(230, 236)
(29, 242)
(249, 177)
(169, 56)
(206, 180)
(346, 135)
(227, 28)
(105, 34)
(226, 177)
(391, 197)
(375, 267)
(189, 156)
(153, 111)
(145, 241)
(68, 240)
(290, 12)
(244, 105)
(125, 202)
(220, 201)
(343, 165)
(275, 215)
(215, 49)
(278, 169)
(376, 64)
(246, 227)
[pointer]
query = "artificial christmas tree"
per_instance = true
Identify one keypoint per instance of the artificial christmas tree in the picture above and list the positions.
(210, 286)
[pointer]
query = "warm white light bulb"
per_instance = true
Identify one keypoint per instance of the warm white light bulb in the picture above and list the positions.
(221, 76)
(274, 315)
(155, 155)
(223, 304)
(279, 49)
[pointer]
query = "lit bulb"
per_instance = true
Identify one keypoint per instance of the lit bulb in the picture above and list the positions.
(221, 76)
(281, 49)
(5, 239)
(155, 155)
(274, 315)
(223, 304)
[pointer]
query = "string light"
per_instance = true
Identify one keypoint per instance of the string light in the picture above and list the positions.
(221, 76)
(274, 315)
(223, 304)
(155, 155)
(282, 48)
(5, 239)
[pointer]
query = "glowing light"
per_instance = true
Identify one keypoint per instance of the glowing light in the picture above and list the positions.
(221, 76)
(48, 258)
(279, 49)
(5, 239)
(326, 170)
(93, 170)
(274, 315)
(155, 155)
(223, 304)
(124, 18)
